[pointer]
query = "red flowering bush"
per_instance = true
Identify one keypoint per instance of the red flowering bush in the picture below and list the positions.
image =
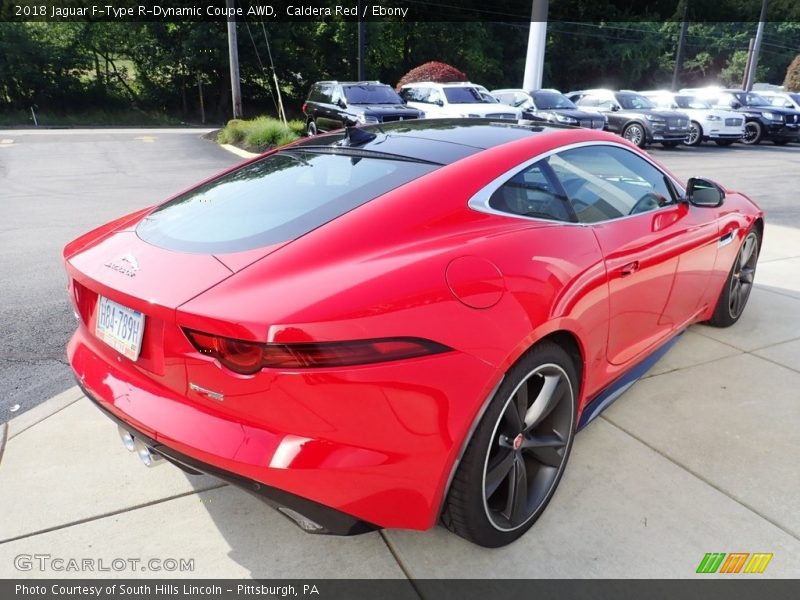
(792, 82)
(432, 71)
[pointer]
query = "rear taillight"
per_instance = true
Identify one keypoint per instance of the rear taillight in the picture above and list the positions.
(305, 106)
(250, 357)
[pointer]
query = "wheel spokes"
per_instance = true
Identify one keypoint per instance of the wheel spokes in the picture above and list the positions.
(545, 401)
(747, 251)
(497, 473)
(517, 500)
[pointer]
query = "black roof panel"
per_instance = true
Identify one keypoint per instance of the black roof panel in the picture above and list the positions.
(437, 140)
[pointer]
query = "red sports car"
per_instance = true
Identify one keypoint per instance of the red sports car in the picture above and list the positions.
(402, 323)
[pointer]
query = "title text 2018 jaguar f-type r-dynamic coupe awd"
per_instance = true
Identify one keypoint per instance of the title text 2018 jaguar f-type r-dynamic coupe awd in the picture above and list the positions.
(405, 323)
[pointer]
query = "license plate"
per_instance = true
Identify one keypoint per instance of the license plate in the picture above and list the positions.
(120, 327)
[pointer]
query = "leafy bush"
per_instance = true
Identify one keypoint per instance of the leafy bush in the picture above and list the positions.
(432, 71)
(233, 133)
(260, 134)
(792, 81)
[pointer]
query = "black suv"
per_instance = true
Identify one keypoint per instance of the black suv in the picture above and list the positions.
(336, 104)
(763, 121)
(551, 106)
(635, 117)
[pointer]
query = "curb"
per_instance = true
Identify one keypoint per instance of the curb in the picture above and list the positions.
(238, 151)
(39, 413)
(3, 434)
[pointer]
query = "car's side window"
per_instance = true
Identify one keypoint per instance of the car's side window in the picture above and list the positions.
(588, 101)
(608, 182)
(435, 96)
(415, 94)
(533, 192)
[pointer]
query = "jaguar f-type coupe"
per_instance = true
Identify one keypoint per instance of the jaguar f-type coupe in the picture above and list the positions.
(402, 324)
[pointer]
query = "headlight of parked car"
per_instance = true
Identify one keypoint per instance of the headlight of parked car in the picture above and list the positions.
(566, 119)
(713, 118)
(655, 119)
(772, 116)
(362, 118)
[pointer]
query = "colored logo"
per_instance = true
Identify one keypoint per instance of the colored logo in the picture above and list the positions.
(735, 562)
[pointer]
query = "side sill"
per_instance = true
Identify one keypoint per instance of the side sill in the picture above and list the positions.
(616, 388)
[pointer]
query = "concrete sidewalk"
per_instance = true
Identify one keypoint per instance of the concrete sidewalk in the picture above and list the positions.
(700, 456)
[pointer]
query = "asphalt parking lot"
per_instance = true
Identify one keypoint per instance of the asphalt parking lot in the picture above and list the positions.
(699, 456)
(55, 185)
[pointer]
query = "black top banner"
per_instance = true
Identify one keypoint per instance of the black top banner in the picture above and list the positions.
(407, 10)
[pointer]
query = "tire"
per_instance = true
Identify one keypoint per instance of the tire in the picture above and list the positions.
(671, 144)
(695, 137)
(635, 134)
(311, 128)
(753, 133)
(724, 142)
(739, 284)
(482, 505)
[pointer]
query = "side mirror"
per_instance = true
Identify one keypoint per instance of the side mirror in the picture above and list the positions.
(736, 105)
(341, 103)
(704, 193)
(439, 103)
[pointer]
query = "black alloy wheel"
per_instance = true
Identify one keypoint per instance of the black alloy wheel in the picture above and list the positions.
(518, 453)
(739, 284)
(753, 132)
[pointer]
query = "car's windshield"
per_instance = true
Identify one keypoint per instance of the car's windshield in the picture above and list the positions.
(551, 100)
(463, 95)
(634, 101)
(691, 102)
(795, 97)
(371, 94)
(276, 199)
(751, 99)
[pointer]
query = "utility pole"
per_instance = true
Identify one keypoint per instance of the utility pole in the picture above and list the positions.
(233, 56)
(361, 46)
(751, 71)
(746, 73)
(681, 44)
(537, 42)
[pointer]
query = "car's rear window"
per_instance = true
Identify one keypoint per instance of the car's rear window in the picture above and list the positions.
(273, 200)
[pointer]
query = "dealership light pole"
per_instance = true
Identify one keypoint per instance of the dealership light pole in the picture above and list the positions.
(537, 41)
(753, 62)
(233, 56)
(681, 45)
(362, 46)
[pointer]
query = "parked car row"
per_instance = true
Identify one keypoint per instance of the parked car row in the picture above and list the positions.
(691, 116)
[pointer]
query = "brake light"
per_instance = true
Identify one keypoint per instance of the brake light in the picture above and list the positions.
(250, 357)
(305, 105)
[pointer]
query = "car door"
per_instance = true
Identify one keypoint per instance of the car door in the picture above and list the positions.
(658, 251)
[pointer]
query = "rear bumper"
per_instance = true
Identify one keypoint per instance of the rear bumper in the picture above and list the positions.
(351, 449)
(332, 522)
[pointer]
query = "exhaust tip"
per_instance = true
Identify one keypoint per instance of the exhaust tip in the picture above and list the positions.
(127, 439)
(148, 456)
(301, 521)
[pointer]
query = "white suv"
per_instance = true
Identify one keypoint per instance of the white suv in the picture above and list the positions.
(452, 100)
(706, 123)
(782, 99)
